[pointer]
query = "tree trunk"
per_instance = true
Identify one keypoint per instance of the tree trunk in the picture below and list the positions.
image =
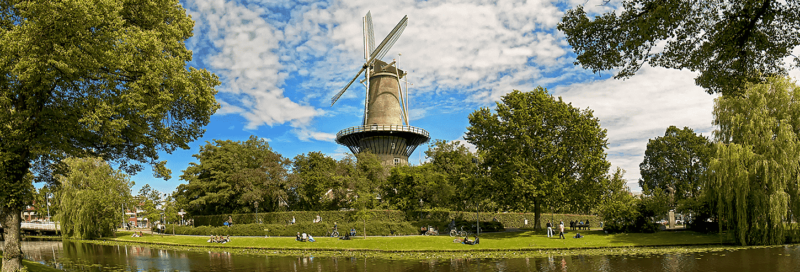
(12, 254)
(537, 213)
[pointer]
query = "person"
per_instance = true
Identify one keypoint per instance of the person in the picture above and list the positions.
(561, 228)
(135, 234)
(477, 240)
(319, 219)
(311, 239)
(526, 222)
(345, 237)
(304, 237)
(587, 225)
(422, 230)
(141, 233)
(466, 240)
(293, 220)
(494, 219)
(352, 231)
(297, 238)
(601, 224)
(230, 221)
(578, 235)
(571, 225)
(228, 238)
(549, 229)
(335, 226)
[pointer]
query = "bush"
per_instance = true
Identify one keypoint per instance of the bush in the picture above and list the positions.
(340, 217)
(319, 230)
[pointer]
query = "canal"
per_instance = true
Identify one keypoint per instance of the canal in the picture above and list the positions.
(77, 256)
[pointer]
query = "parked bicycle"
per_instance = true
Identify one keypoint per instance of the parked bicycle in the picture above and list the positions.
(462, 233)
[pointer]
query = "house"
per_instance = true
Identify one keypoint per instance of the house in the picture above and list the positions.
(136, 217)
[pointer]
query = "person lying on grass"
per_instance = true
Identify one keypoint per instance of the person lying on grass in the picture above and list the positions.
(346, 237)
(578, 235)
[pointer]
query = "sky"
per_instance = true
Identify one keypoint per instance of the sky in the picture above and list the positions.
(280, 62)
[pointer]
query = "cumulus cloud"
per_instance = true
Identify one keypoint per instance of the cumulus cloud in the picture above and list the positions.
(641, 108)
(243, 50)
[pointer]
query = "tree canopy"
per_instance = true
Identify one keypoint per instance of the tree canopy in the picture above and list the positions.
(540, 150)
(676, 160)
(729, 42)
(753, 175)
(232, 175)
(105, 79)
(91, 198)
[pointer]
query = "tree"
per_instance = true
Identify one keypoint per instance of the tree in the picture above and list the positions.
(408, 185)
(677, 160)
(104, 79)
(91, 195)
(617, 206)
(315, 173)
(730, 42)
(753, 175)
(151, 201)
(232, 176)
(540, 148)
(462, 173)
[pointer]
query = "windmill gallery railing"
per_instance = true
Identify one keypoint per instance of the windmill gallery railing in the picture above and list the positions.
(376, 128)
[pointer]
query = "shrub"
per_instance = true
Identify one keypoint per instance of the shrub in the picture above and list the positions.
(340, 217)
(319, 230)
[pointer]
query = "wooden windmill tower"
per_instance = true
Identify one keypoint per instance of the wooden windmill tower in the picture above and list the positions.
(384, 130)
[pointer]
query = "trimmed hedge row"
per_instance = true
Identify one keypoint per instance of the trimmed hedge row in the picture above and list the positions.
(340, 217)
(509, 220)
(318, 230)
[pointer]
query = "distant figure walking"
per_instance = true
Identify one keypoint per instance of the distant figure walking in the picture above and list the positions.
(549, 229)
(561, 228)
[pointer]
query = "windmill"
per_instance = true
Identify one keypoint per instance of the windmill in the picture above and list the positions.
(384, 130)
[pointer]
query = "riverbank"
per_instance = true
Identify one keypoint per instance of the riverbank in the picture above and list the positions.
(493, 245)
(32, 266)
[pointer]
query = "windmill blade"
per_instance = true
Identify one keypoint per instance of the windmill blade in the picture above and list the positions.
(391, 42)
(336, 97)
(370, 34)
(391, 38)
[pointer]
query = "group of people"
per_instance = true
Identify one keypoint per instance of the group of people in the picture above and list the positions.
(304, 237)
(139, 234)
(572, 224)
(579, 225)
(466, 240)
(219, 239)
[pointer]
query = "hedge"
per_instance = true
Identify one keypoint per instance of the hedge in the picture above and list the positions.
(509, 220)
(319, 230)
(340, 217)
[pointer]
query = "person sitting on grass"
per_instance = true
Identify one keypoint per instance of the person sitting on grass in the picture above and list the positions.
(297, 238)
(578, 235)
(311, 239)
(466, 241)
(304, 237)
(352, 231)
(135, 234)
(345, 237)
(210, 239)
(228, 238)
(477, 240)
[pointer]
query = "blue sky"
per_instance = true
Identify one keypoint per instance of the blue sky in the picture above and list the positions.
(281, 61)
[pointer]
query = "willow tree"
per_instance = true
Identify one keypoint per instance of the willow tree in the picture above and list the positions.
(540, 149)
(754, 174)
(91, 197)
(83, 78)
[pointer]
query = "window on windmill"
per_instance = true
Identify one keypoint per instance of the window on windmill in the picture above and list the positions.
(396, 161)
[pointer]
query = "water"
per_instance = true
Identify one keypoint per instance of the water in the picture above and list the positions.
(75, 256)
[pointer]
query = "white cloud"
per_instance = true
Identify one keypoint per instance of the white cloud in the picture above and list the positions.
(641, 108)
(245, 57)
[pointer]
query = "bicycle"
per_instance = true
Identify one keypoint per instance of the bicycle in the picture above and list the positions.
(453, 232)
(335, 233)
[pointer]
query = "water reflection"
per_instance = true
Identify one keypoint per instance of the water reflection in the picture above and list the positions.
(75, 256)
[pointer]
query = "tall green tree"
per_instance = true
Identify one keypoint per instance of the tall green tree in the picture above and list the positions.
(232, 175)
(729, 42)
(91, 196)
(150, 201)
(408, 185)
(678, 161)
(316, 173)
(753, 176)
(462, 171)
(540, 148)
(617, 207)
(82, 78)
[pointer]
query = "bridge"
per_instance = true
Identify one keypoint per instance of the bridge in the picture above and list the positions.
(33, 228)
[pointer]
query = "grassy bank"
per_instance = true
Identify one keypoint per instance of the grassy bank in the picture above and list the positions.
(506, 241)
(32, 266)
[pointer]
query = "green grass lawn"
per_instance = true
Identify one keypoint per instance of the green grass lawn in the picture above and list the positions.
(489, 241)
(32, 266)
